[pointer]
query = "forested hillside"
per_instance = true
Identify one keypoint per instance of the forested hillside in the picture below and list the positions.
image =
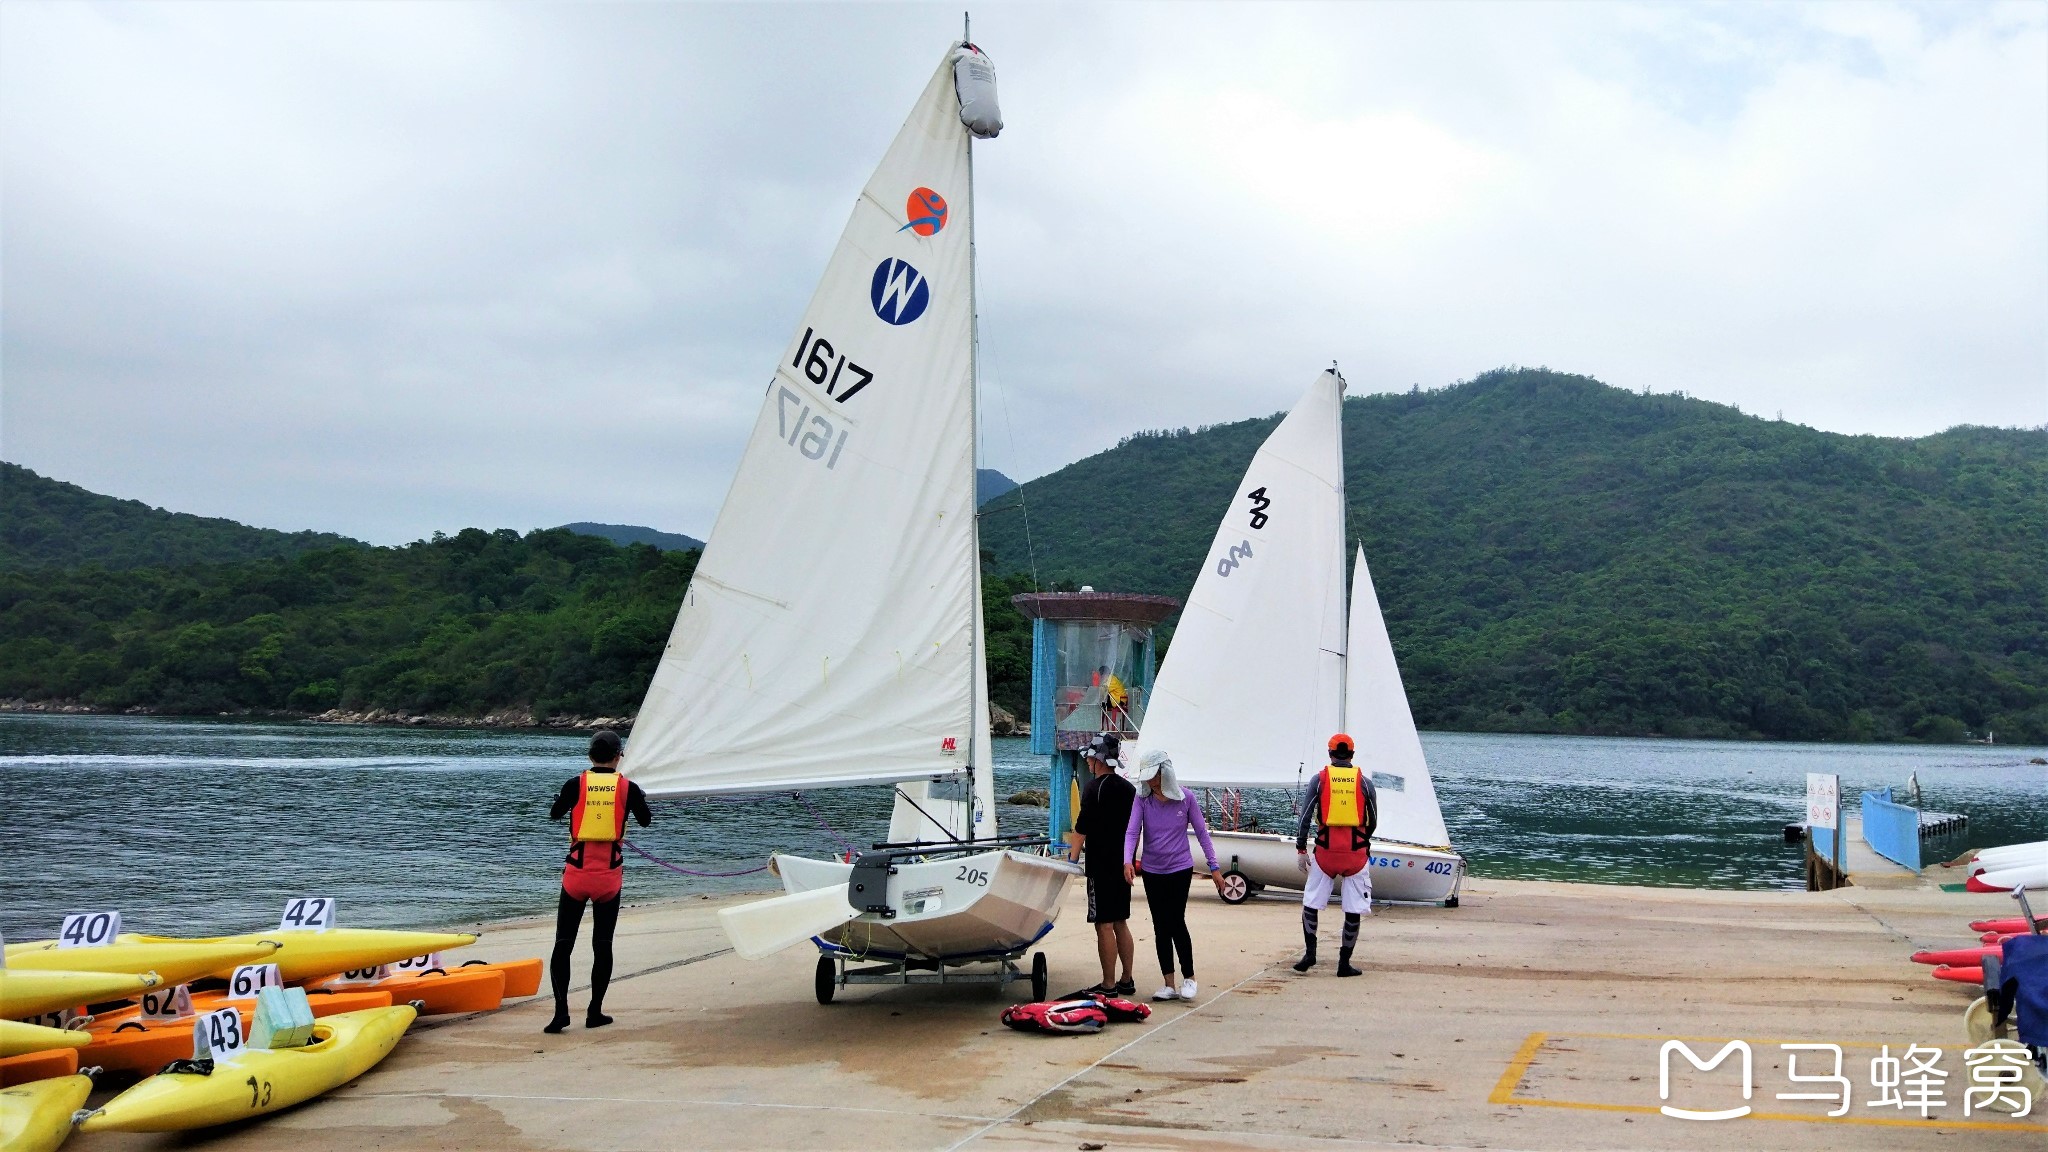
(463, 625)
(623, 534)
(48, 523)
(1553, 555)
(1556, 555)
(554, 621)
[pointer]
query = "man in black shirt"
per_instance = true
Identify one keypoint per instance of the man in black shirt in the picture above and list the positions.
(1106, 800)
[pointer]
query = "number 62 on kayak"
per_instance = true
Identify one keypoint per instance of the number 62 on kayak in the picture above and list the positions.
(162, 1005)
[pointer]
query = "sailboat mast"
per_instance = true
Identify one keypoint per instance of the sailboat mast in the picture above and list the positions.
(977, 712)
(1343, 524)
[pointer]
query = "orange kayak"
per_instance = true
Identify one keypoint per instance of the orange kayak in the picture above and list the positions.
(1960, 975)
(2003, 924)
(39, 1066)
(522, 977)
(132, 1045)
(324, 1004)
(1962, 957)
(438, 993)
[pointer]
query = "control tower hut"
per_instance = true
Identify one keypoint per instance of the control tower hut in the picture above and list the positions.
(1092, 661)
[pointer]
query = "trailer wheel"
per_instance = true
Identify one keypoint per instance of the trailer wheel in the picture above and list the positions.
(1451, 902)
(1040, 979)
(1237, 887)
(827, 980)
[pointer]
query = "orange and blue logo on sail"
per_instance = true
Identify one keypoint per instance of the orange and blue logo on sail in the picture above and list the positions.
(926, 212)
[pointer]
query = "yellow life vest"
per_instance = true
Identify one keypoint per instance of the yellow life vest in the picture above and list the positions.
(600, 812)
(1343, 800)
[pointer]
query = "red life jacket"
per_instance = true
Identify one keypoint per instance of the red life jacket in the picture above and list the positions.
(597, 812)
(1346, 849)
(600, 812)
(1064, 1016)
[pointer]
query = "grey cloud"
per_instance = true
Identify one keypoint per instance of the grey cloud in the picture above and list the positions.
(391, 269)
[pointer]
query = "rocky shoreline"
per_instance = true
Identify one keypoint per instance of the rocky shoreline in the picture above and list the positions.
(1002, 723)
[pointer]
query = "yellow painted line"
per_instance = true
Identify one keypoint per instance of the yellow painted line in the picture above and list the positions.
(1987, 1125)
(1518, 1067)
(1721, 1039)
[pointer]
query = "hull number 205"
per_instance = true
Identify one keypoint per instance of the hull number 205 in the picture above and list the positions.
(974, 876)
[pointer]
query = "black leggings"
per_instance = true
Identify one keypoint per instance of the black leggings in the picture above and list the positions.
(1167, 896)
(568, 919)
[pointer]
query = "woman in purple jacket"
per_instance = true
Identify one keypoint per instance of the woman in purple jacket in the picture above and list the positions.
(1161, 819)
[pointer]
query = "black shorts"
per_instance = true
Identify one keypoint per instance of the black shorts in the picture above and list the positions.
(1109, 899)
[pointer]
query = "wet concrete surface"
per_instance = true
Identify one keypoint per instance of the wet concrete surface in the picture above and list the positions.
(1532, 1017)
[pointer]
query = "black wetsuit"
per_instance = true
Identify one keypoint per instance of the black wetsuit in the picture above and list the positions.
(604, 920)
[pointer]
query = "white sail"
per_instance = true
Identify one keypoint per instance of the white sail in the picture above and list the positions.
(830, 634)
(1377, 717)
(1252, 685)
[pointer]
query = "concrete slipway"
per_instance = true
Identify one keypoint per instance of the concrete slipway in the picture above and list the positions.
(1530, 1018)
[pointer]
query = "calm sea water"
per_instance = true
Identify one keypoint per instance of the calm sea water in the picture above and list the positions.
(198, 826)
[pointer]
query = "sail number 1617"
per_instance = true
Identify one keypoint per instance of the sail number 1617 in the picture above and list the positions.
(810, 433)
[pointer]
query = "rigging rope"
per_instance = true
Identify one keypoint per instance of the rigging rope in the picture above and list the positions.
(650, 857)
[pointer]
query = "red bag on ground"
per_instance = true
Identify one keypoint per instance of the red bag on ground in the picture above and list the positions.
(1122, 1011)
(1059, 1018)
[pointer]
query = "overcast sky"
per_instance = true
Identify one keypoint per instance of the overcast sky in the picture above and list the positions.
(387, 269)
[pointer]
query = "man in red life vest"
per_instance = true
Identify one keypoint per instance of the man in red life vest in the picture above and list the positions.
(597, 803)
(1344, 810)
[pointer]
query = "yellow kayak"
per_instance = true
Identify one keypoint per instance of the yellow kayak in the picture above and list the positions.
(177, 961)
(37, 1117)
(27, 993)
(18, 1039)
(262, 1080)
(308, 953)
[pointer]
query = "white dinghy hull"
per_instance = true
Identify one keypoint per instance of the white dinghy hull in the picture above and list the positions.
(956, 910)
(1401, 873)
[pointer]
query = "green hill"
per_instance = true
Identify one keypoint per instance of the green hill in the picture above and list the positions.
(1553, 555)
(462, 625)
(1556, 555)
(47, 523)
(623, 534)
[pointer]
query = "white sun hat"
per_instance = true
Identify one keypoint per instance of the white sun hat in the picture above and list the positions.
(1155, 762)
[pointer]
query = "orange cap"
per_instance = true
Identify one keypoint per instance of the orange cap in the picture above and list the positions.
(1341, 742)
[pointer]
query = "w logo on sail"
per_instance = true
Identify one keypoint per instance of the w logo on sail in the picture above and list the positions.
(899, 292)
(1239, 553)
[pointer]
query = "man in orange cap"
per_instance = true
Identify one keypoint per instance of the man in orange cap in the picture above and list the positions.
(1342, 809)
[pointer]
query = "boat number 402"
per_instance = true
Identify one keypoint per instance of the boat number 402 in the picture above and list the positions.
(974, 876)
(1440, 867)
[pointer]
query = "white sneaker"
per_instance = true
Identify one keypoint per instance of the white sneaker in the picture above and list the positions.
(1165, 993)
(1187, 989)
